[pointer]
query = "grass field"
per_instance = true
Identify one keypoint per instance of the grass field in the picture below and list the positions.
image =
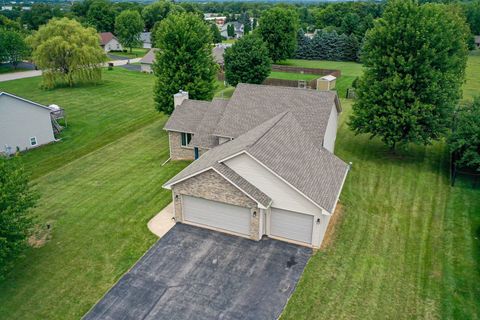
(407, 245)
(96, 115)
(292, 76)
(136, 53)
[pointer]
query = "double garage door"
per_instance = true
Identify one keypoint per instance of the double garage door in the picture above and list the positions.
(284, 224)
(217, 215)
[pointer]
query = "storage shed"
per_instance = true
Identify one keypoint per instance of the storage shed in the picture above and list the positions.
(326, 83)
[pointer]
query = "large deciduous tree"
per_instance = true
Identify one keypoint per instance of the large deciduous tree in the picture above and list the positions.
(101, 15)
(158, 11)
(247, 61)
(67, 52)
(216, 35)
(16, 200)
(128, 26)
(184, 60)
(414, 59)
(13, 48)
(465, 137)
(278, 28)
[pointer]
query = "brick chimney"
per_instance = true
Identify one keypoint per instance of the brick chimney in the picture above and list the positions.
(179, 97)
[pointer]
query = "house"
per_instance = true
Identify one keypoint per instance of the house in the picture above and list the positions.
(147, 61)
(212, 17)
(109, 42)
(25, 124)
(146, 39)
(238, 27)
(477, 42)
(264, 162)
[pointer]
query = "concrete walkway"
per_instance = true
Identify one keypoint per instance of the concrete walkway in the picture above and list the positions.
(162, 222)
(36, 73)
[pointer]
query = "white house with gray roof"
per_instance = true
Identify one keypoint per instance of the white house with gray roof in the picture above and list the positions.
(264, 162)
(24, 124)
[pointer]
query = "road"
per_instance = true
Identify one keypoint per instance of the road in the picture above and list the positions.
(36, 73)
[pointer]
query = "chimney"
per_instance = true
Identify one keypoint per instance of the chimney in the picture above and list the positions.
(179, 97)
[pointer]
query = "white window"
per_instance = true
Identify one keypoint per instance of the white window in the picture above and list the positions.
(186, 137)
(33, 141)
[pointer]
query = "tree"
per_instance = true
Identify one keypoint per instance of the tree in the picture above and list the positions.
(13, 48)
(278, 28)
(101, 15)
(39, 14)
(465, 137)
(230, 31)
(247, 61)
(128, 26)
(67, 52)
(247, 28)
(16, 221)
(216, 35)
(184, 60)
(158, 11)
(414, 59)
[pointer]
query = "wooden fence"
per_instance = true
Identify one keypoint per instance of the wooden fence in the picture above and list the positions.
(292, 69)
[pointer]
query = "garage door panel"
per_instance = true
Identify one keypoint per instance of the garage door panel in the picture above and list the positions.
(291, 225)
(216, 214)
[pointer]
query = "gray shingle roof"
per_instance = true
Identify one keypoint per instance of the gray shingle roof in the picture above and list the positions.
(282, 145)
(203, 137)
(187, 116)
(218, 52)
(251, 105)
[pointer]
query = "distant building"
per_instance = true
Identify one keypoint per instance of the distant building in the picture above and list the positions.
(238, 27)
(109, 42)
(477, 42)
(25, 124)
(219, 20)
(146, 39)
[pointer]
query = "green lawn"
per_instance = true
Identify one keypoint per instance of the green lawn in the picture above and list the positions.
(292, 76)
(472, 85)
(136, 53)
(99, 206)
(407, 246)
(96, 115)
(229, 41)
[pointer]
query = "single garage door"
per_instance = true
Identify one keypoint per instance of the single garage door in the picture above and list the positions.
(291, 225)
(216, 214)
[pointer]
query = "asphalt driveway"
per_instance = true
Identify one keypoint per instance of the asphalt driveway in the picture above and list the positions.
(193, 273)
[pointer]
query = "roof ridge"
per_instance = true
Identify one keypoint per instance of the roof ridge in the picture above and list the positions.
(268, 130)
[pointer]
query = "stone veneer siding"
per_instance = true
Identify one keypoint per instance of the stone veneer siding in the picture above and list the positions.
(177, 152)
(212, 186)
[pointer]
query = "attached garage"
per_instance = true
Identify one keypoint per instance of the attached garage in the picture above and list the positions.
(217, 215)
(291, 225)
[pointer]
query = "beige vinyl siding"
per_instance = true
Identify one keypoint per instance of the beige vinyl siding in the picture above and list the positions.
(331, 131)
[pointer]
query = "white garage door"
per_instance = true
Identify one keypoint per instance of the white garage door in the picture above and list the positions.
(291, 225)
(216, 214)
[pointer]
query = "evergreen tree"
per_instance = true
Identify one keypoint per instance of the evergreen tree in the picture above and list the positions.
(414, 59)
(184, 60)
(216, 35)
(247, 61)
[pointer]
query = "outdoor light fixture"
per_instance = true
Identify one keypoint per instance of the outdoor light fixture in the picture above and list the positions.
(254, 213)
(176, 196)
(318, 220)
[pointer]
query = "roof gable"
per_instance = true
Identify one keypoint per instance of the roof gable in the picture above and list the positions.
(25, 100)
(187, 116)
(106, 37)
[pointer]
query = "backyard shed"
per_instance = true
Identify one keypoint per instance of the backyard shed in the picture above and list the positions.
(326, 83)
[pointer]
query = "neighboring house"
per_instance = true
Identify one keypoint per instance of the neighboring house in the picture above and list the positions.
(109, 42)
(147, 61)
(477, 42)
(219, 20)
(25, 124)
(146, 39)
(264, 162)
(238, 27)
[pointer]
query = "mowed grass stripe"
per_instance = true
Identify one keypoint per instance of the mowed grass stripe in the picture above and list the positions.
(96, 114)
(99, 207)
